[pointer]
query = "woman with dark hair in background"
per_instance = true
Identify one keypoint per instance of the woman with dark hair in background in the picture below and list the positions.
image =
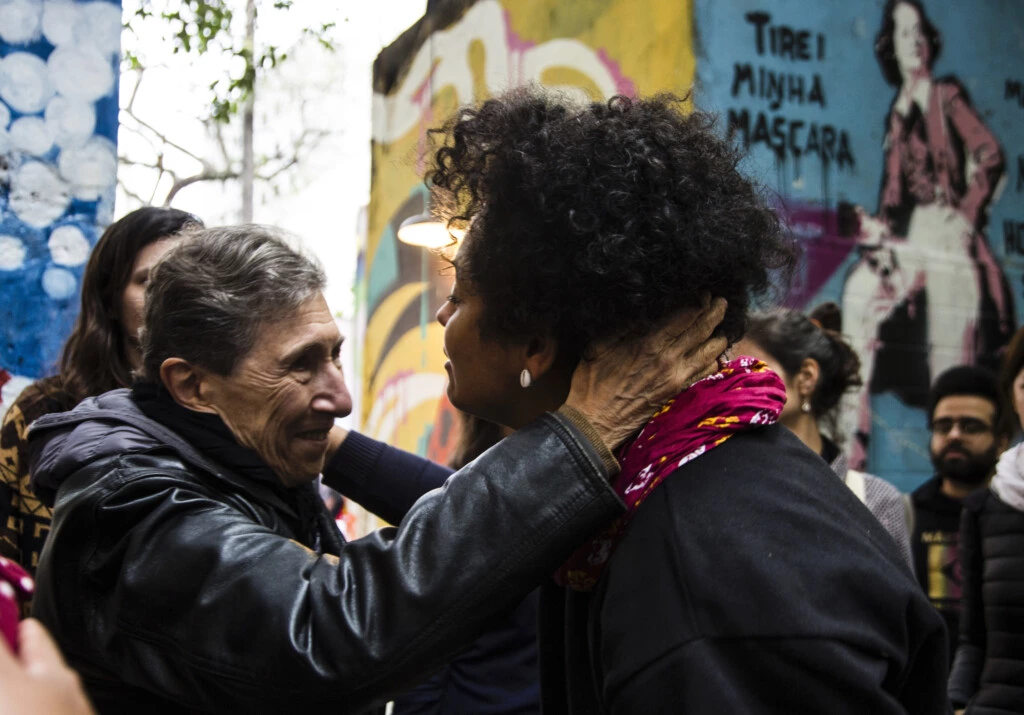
(100, 355)
(818, 367)
(988, 673)
(499, 673)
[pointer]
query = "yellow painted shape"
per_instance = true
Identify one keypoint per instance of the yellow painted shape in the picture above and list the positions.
(410, 353)
(410, 431)
(395, 168)
(383, 320)
(651, 41)
(394, 177)
(569, 76)
(478, 68)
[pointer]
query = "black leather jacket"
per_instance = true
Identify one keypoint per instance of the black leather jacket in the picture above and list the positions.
(174, 585)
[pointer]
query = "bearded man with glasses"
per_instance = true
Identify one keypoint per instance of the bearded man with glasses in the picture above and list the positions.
(968, 433)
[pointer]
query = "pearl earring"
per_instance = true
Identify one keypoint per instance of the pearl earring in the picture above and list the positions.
(525, 378)
(806, 407)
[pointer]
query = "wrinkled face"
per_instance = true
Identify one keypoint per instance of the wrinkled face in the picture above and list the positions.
(964, 447)
(483, 375)
(133, 311)
(283, 397)
(909, 44)
(791, 410)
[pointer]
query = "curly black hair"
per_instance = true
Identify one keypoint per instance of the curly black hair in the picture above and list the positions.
(885, 51)
(593, 221)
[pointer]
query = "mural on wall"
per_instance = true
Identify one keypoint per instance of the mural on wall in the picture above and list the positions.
(461, 52)
(892, 137)
(59, 64)
(889, 133)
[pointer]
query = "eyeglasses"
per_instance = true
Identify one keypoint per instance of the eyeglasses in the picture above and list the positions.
(970, 426)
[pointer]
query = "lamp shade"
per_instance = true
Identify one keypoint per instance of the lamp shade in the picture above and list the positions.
(423, 230)
(426, 231)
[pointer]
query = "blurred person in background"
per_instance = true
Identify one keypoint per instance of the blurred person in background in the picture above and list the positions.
(988, 673)
(819, 367)
(100, 355)
(969, 431)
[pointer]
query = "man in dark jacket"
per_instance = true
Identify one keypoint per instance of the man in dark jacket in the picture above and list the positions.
(968, 435)
(191, 566)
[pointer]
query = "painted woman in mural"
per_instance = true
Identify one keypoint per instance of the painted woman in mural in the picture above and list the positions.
(928, 293)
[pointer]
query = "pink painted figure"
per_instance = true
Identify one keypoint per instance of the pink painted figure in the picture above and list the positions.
(927, 274)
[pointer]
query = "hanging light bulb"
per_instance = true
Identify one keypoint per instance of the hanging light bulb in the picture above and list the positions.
(426, 231)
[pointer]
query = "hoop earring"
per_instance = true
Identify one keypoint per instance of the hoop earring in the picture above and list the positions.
(525, 378)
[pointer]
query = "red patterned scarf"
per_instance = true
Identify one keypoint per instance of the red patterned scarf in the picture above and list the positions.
(743, 395)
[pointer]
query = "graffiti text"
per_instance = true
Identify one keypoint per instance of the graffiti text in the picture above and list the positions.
(1013, 237)
(792, 137)
(1015, 91)
(784, 41)
(777, 87)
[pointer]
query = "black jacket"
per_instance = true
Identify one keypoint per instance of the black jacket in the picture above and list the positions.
(173, 584)
(750, 581)
(989, 668)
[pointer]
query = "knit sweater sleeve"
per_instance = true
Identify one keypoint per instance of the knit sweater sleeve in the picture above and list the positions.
(384, 480)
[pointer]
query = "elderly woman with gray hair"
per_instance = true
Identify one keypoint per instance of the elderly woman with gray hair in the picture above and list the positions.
(191, 567)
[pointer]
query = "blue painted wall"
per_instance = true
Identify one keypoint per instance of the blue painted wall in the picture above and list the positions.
(800, 83)
(59, 65)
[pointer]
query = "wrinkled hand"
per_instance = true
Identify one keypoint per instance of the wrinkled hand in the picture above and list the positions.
(38, 680)
(629, 380)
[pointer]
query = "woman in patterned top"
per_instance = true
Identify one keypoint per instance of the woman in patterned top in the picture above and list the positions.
(819, 367)
(99, 356)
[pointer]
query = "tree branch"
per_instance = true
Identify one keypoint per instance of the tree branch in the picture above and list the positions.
(131, 194)
(180, 184)
(166, 140)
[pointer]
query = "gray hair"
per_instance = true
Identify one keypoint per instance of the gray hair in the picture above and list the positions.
(209, 297)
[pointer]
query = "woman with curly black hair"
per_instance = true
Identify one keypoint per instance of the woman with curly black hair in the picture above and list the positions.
(743, 577)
